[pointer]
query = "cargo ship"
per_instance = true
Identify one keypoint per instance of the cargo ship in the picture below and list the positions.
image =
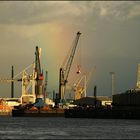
(102, 113)
(37, 112)
(124, 106)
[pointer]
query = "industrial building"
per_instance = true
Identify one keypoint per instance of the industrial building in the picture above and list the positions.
(92, 101)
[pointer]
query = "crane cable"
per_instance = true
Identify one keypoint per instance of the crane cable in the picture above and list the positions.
(79, 58)
(24, 70)
(14, 78)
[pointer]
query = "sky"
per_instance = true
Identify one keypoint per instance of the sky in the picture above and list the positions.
(109, 41)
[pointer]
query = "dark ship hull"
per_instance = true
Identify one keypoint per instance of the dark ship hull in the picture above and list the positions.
(102, 113)
(124, 106)
(27, 113)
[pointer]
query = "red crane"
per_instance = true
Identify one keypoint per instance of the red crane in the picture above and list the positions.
(39, 89)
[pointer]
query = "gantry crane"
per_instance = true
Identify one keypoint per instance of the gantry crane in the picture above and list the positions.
(28, 87)
(27, 84)
(65, 69)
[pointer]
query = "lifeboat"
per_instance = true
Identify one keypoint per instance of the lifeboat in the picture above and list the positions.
(45, 108)
(33, 108)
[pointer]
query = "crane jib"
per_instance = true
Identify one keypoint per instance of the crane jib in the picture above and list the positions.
(64, 71)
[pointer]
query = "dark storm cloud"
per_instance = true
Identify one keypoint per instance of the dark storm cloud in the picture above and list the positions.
(27, 12)
(35, 12)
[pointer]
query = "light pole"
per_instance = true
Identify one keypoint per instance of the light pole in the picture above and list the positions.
(112, 83)
(12, 83)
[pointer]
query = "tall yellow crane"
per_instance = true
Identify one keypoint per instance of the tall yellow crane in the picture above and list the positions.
(65, 69)
(80, 85)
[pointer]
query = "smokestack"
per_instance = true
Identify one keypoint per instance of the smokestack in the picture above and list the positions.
(95, 90)
(12, 83)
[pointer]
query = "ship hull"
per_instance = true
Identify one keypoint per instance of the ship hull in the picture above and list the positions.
(102, 113)
(22, 113)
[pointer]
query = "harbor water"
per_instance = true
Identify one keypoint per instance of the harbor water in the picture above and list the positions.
(68, 128)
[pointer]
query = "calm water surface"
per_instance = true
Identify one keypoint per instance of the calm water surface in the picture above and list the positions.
(68, 128)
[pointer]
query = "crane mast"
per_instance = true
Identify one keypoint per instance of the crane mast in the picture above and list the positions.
(39, 75)
(37, 62)
(39, 89)
(65, 69)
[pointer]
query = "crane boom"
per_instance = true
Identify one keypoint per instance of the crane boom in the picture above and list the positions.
(37, 62)
(10, 80)
(39, 89)
(69, 63)
(39, 78)
(64, 71)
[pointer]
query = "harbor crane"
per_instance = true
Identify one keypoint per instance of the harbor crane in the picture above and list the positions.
(27, 84)
(80, 87)
(65, 69)
(39, 88)
(32, 84)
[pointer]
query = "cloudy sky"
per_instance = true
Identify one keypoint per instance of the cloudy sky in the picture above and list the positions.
(110, 41)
